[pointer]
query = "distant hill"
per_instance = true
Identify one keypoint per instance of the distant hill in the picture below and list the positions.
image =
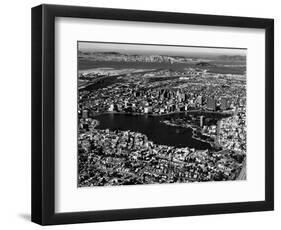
(205, 64)
(199, 61)
(115, 56)
(232, 58)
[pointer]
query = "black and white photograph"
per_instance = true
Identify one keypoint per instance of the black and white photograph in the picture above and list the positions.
(143, 114)
(158, 114)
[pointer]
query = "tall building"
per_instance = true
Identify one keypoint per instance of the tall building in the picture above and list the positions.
(201, 121)
(147, 109)
(199, 100)
(178, 94)
(126, 104)
(111, 108)
(211, 104)
(224, 104)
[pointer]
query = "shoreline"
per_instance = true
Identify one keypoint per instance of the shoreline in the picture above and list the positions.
(166, 114)
(194, 136)
(194, 128)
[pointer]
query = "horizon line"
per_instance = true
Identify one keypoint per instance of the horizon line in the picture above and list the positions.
(167, 49)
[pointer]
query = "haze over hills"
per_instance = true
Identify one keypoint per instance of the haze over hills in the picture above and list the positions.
(121, 57)
(232, 57)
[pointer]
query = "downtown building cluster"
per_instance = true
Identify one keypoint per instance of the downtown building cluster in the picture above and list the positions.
(145, 95)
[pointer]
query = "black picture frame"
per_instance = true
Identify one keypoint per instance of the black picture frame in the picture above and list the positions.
(43, 114)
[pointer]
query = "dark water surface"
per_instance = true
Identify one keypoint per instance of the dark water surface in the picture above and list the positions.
(89, 64)
(155, 130)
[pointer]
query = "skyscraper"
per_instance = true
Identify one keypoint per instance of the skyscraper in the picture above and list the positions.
(199, 100)
(224, 104)
(211, 104)
(201, 121)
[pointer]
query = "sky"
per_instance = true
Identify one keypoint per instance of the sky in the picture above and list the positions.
(158, 49)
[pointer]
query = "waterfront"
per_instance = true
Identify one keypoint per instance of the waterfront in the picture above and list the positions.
(154, 128)
(218, 67)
